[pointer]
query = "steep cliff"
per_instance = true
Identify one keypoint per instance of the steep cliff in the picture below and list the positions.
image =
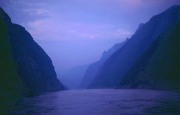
(11, 86)
(118, 65)
(24, 67)
(158, 67)
(33, 64)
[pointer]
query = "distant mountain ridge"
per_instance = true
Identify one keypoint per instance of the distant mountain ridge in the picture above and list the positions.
(73, 77)
(120, 63)
(92, 70)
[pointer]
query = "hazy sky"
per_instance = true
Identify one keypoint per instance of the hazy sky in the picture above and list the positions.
(76, 32)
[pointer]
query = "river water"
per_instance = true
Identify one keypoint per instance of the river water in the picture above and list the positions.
(102, 102)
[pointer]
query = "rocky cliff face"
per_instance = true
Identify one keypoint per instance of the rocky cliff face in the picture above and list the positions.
(92, 70)
(25, 67)
(118, 65)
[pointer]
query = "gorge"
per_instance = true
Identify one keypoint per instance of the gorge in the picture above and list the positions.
(137, 76)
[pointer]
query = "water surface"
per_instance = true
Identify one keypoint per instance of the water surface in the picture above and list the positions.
(102, 102)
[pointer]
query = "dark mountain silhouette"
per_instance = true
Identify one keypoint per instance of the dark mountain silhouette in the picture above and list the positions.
(92, 70)
(33, 64)
(120, 63)
(158, 67)
(25, 68)
(11, 86)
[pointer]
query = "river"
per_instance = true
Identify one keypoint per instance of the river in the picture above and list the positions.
(102, 102)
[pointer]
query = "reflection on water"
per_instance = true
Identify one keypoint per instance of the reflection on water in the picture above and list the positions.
(102, 102)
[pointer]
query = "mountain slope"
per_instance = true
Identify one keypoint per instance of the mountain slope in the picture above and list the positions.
(25, 68)
(92, 70)
(159, 67)
(117, 66)
(33, 64)
(11, 85)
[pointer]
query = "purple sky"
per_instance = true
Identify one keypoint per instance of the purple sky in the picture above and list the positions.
(76, 32)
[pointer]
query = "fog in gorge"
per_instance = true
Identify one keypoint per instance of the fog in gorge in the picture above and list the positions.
(76, 33)
(89, 57)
